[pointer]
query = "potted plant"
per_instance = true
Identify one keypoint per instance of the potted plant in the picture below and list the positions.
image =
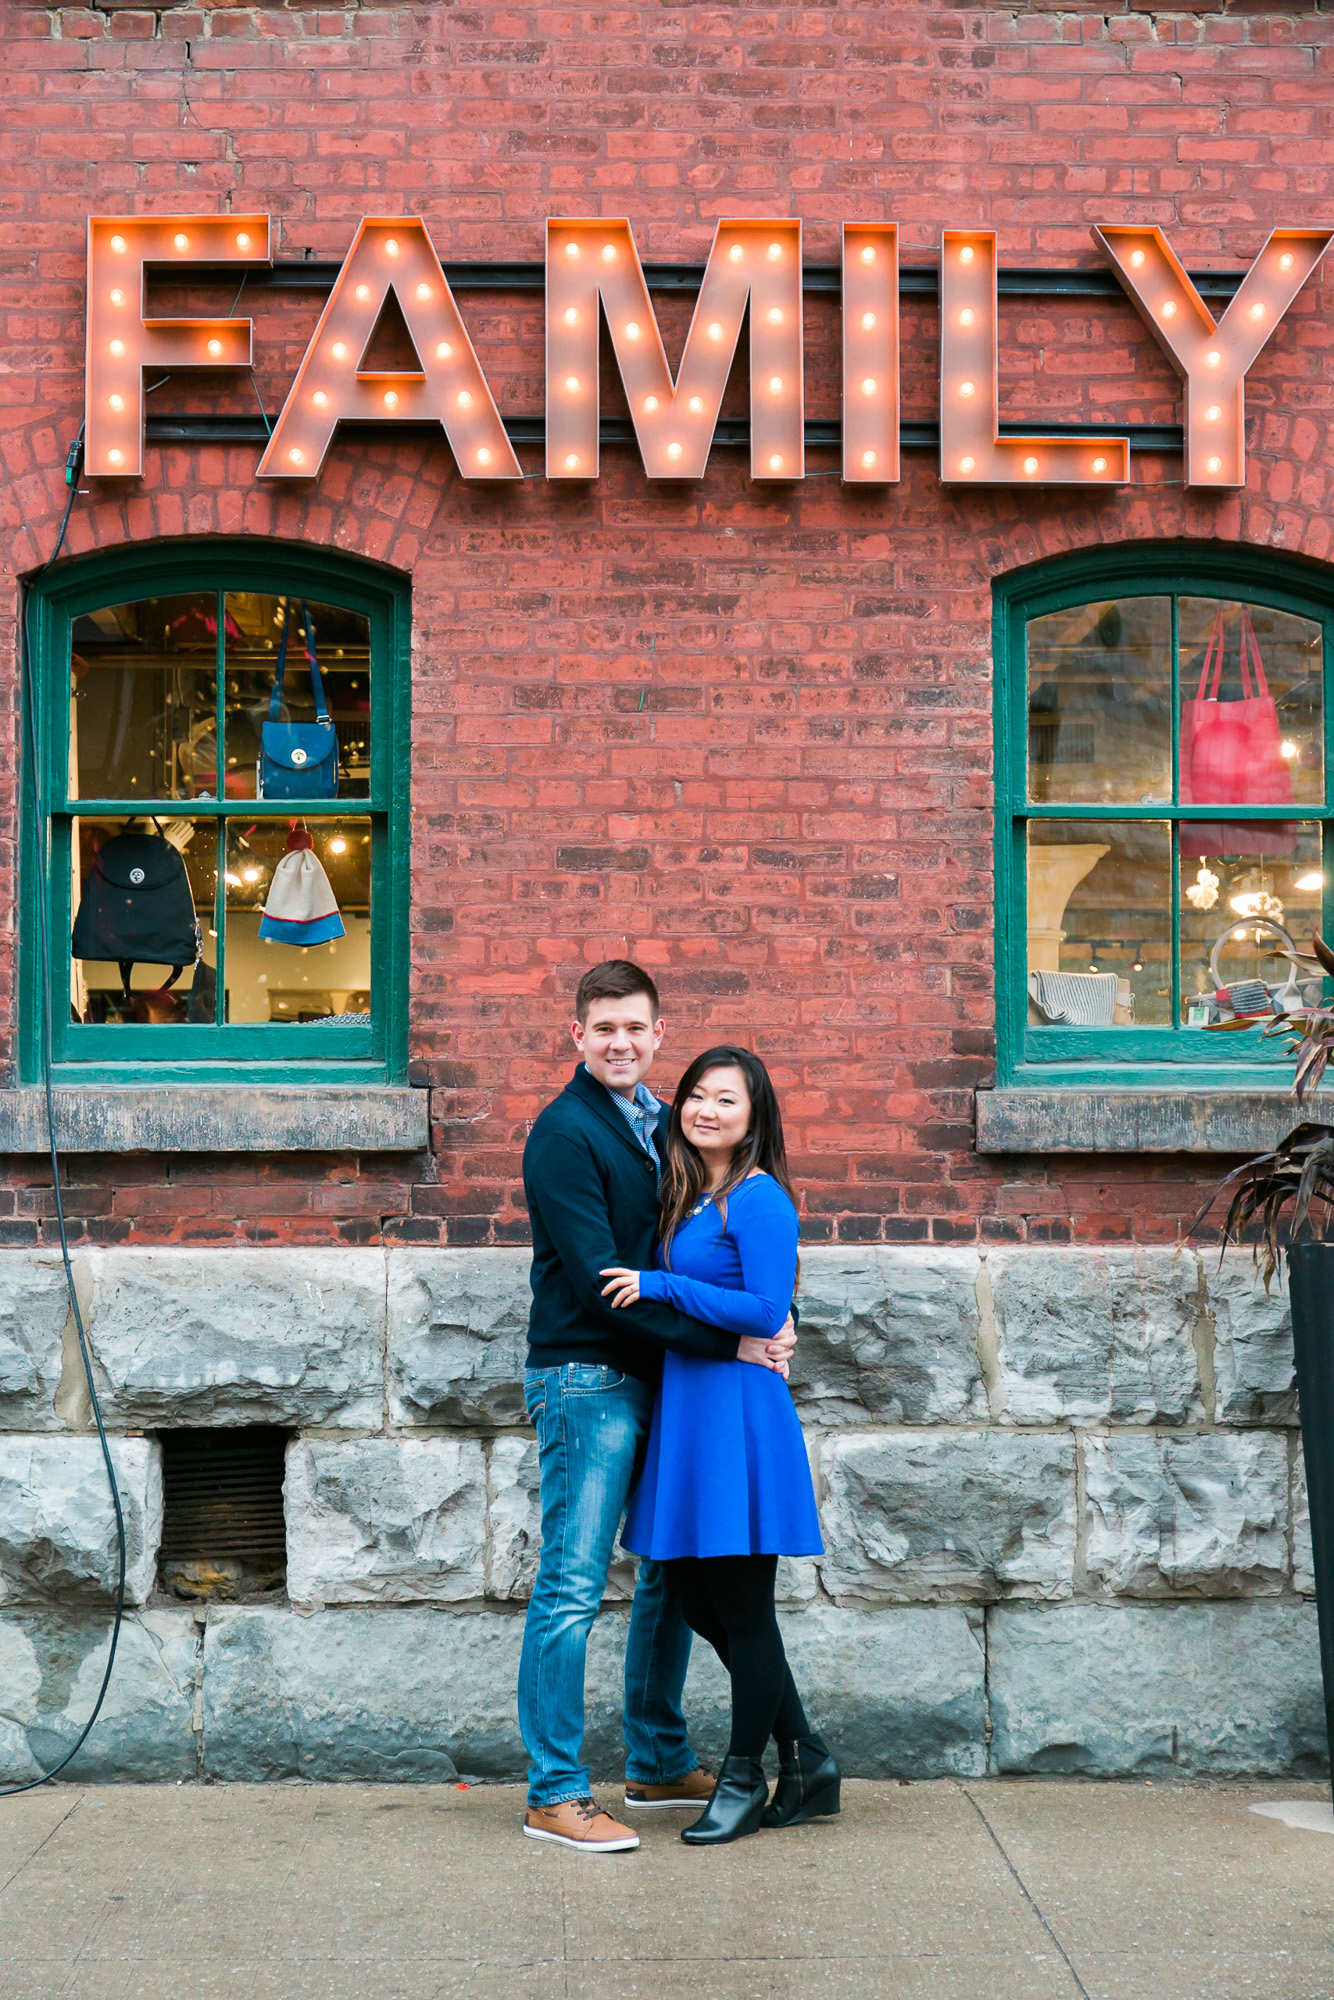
(1282, 1202)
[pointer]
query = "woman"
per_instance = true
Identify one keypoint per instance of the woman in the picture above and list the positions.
(726, 1487)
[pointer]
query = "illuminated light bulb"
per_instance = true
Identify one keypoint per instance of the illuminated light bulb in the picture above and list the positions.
(967, 388)
(632, 329)
(868, 386)
(1285, 264)
(215, 347)
(967, 464)
(1213, 357)
(774, 316)
(181, 241)
(1212, 414)
(115, 456)
(571, 460)
(1030, 466)
(572, 383)
(391, 246)
(117, 402)
(319, 399)
(697, 404)
(483, 458)
(571, 316)
(775, 385)
(673, 451)
(966, 316)
(423, 291)
(1257, 310)
(250, 874)
(363, 292)
(465, 399)
(715, 331)
(868, 458)
(650, 404)
(339, 351)
(243, 241)
(118, 298)
(1309, 883)
(609, 253)
(1287, 749)
(868, 255)
(443, 350)
(967, 254)
(1137, 258)
(868, 321)
(736, 253)
(776, 461)
(1169, 309)
(571, 249)
(118, 347)
(1238, 937)
(390, 398)
(338, 845)
(775, 252)
(1100, 465)
(1214, 465)
(118, 244)
(296, 455)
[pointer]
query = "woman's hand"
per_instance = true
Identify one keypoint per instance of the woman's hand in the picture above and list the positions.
(751, 1348)
(625, 1284)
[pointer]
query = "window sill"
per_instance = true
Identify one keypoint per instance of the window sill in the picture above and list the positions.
(1141, 1121)
(211, 1118)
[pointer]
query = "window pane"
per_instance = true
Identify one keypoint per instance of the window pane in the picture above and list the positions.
(326, 896)
(142, 714)
(1220, 891)
(138, 889)
(1100, 704)
(254, 631)
(1252, 714)
(1099, 923)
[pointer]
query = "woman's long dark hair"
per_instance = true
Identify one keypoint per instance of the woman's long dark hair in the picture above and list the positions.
(684, 1174)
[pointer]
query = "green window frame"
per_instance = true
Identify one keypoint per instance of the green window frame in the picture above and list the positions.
(373, 1052)
(1168, 1055)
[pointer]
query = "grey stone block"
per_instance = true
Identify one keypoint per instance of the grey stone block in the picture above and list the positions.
(1203, 1515)
(58, 1526)
(51, 1667)
(1253, 1365)
(384, 1520)
(239, 1336)
(888, 1337)
(1115, 1690)
(34, 1305)
(514, 1528)
(458, 1335)
(977, 1515)
(1303, 1557)
(1097, 1336)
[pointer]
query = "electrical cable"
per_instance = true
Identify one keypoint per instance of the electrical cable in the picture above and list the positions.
(28, 698)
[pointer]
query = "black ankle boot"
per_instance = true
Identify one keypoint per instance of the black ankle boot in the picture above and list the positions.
(808, 1782)
(739, 1797)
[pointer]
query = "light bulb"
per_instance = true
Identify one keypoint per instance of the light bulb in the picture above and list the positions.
(464, 399)
(775, 385)
(967, 464)
(632, 329)
(1100, 465)
(1238, 937)
(650, 404)
(868, 321)
(1287, 749)
(483, 458)
(571, 249)
(735, 254)
(673, 451)
(571, 316)
(181, 240)
(118, 347)
(775, 252)
(697, 403)
(715, 331)
(295, 455)
(423, 291)
(1137, 258)
(776, 461)
(443, 350)
(1138, 966)
(967, 388)
(243, 241)
(1309, 883)
(339, 351)
(572, 383)
(391, 246)
(118, 244)
(774, 316)
(868, 386)
(390, 398)
(117, 402)
(571, 460)
(363, 292)
(1213, 357)
(115, 456)
(250, 874)
(215, 347)
(967, 254)
(1285, 263)
(1214, 465)
(319, 399)
(1212, 414)
(1169, 309)
(118, 298)
(338, 845)
(868, 458)
(609, 253)
(1257, 310)
(1030, 466)
(966, 316)
(868, 255)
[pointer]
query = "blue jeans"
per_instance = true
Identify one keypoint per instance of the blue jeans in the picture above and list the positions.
(592, 1424)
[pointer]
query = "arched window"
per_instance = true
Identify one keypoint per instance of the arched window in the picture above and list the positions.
(223, 734)
(1162, 796)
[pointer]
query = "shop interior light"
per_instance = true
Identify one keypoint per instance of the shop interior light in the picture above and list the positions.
(1287, 749)
(338, 845)
(1309, 884)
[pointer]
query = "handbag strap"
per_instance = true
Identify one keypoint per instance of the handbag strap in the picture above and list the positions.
(1211, 673)
(280, 671)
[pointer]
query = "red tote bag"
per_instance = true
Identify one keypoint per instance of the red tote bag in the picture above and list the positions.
(1231, 754)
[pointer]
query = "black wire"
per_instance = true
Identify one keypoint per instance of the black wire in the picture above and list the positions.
(28, 696)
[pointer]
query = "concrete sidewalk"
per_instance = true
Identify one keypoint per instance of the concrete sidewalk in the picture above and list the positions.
(1026, 1890)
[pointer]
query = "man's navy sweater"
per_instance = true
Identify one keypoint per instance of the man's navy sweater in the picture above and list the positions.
(592, 1197)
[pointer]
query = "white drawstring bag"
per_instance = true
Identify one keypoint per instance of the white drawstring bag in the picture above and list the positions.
(300, 907)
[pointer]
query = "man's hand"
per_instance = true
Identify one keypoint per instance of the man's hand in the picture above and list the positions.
(624, 1283)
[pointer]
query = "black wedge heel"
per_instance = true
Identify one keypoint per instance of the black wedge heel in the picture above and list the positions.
(739, 1798)
(808, 1783)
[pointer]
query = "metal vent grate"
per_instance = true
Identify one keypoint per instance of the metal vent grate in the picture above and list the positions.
(223, 1496)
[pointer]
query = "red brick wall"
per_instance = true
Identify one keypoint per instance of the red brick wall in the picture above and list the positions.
(742, 734)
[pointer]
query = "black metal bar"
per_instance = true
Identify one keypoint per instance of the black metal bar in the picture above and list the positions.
(915, 435)
(915, 280)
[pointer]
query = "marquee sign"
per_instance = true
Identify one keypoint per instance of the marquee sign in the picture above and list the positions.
(594, 276)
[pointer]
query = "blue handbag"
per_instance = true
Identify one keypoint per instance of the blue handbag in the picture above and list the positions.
(298, 760)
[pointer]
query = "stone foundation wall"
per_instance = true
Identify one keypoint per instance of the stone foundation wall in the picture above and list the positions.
(1061, 1492)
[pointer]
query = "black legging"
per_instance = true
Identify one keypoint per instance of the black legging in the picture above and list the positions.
(729, 1600)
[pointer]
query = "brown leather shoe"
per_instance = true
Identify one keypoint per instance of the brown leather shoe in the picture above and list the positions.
(694, 1789)
(580, 1823)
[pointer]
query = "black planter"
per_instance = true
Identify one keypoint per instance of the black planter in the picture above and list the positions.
(1311, 1284)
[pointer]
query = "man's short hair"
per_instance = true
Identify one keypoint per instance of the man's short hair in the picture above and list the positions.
(614, 979)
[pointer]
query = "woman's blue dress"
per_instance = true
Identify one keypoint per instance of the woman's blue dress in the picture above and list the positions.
(726, 1471)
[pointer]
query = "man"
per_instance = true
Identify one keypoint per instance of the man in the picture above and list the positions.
(590, 1175)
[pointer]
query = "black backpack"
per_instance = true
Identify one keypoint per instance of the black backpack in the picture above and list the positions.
(137, 906)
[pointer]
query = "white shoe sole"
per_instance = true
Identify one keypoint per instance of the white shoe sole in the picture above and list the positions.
(665, 1805)
(583, 1846)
